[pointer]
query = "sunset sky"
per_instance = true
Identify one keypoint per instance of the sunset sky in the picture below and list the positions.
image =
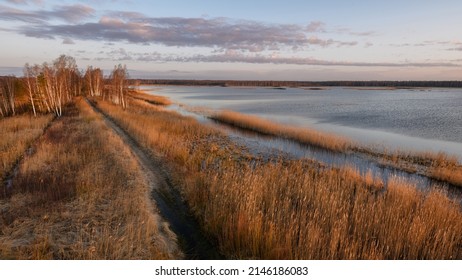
(211, 39)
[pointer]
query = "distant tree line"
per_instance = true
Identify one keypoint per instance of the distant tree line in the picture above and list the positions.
(224, 83)
(48, 87)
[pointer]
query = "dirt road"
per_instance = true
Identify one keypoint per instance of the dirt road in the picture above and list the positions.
(168, 200)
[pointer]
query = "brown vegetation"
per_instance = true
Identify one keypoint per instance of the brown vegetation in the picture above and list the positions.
(451, 175)
(152, 99)
(438, 166)
(81, 195)
(302, 135)
(290, 210)
(17, 134)
(293, 212)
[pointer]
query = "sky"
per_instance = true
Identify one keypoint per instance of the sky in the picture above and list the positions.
(240, 39)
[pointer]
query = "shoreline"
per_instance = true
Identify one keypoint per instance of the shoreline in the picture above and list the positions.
(369, 136)
(245, 204)
(216, 175)
(439, 166)
(436, 165)
(380, 139)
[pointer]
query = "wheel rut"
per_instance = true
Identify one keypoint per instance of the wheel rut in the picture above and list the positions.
(171, 207)
(7, 183)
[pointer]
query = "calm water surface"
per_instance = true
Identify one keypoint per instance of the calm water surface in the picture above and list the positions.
(416, 119)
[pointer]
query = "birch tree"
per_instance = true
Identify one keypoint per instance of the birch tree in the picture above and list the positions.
(67, 77)
(51, 86)
(30, 85)
(118, 85)
(7, 95)
(94, 81)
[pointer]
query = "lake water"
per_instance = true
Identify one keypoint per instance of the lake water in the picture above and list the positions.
(407, 119)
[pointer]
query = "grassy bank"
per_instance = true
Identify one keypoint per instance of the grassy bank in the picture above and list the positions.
(438, 166)
(288, 209)
(302, 135)
(17, 134)
(81, 195)
(153, 99)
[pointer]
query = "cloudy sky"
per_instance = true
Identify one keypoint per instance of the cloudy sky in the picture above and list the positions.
(240, 39)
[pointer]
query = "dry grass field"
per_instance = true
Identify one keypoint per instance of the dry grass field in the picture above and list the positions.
(294, 212)
(17, 134)
(81, 195)
(290, 209)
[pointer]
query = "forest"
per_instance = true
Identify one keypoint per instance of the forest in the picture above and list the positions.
(48, 87)
(234, 83)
